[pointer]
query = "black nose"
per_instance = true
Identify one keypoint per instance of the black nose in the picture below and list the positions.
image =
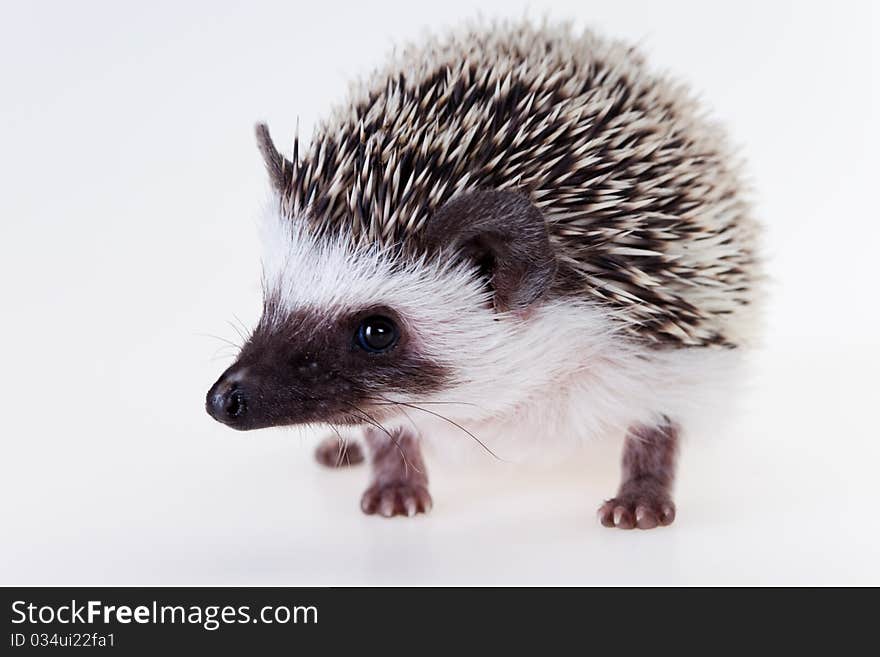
(227, 403)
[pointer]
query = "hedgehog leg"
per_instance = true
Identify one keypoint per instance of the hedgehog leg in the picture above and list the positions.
(644, 499)
(400, 479)
(338, 452)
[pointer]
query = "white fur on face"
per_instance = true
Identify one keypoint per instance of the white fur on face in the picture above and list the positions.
(565, 371)
(333, 275)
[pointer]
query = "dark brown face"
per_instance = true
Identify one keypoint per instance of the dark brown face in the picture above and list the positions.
(311, 369)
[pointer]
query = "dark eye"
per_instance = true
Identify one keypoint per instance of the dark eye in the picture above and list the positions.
(376, 334)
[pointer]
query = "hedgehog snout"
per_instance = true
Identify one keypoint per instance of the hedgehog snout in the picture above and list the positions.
(227, 401)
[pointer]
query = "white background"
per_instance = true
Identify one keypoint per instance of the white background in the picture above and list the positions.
(130, 186)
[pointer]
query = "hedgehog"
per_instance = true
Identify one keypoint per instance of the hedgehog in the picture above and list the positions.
(510, 234)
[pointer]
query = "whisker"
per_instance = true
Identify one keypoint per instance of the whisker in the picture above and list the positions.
(409, 417)
(244, 326)
(217, 337)
(342, 446)
(387, 402)
(238, 331)
(371, 420)
(453, 423)
(221, 348)
(390, 402)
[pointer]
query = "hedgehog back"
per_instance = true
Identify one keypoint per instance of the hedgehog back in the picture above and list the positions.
(643, 199)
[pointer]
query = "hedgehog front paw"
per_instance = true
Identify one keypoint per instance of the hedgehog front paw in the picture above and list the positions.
(638, 508)
(399, 498)
(335, 453)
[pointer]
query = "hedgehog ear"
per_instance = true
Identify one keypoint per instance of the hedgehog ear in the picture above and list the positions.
(278, 167)
(506, 235)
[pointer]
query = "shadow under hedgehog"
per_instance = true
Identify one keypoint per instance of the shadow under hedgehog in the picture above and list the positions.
(513, 233)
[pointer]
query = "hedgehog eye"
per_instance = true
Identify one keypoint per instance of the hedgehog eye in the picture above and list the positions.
(376, 334)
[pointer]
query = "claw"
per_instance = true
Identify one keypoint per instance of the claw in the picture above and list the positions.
(623, 518)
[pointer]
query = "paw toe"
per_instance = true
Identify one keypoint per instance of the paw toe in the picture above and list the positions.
(388, 503)
(425, 502)
(606, 514)
(667, 514)
(646, 518)
(623, 518)
(369, 502)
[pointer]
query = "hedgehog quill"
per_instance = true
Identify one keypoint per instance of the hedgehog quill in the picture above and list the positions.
(510, 233)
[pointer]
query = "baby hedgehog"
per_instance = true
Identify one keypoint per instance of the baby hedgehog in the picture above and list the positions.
(509, 234)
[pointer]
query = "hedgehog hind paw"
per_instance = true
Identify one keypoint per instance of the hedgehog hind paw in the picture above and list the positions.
(335, 453)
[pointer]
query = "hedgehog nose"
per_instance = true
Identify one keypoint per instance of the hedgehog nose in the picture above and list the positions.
(227, 403)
